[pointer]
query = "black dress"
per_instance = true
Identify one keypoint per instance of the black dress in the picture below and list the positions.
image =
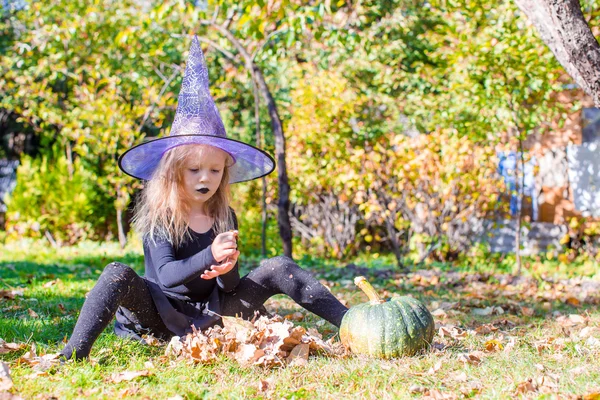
(181, 297)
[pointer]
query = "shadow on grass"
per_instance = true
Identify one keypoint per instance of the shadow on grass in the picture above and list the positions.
(28, 272)
(48, 314)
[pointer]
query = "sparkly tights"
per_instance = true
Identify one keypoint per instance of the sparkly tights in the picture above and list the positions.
(119, 285)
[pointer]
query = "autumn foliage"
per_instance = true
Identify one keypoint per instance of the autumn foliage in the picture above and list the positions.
(356, 185)
(266, 342)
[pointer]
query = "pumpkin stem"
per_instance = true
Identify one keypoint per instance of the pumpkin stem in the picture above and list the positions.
(366, 287)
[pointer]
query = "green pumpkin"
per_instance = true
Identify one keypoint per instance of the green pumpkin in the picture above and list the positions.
(399, 327)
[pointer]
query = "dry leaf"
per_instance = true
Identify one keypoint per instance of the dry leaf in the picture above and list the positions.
(591, 396)
(512, 341)
(578, 370)
(88, 392)
(540, 367)
(151, 340)
(36, 374)
(471, 388)
(526, 311)
(414, 389)
(547, 383)
(544, 384)
(571, 320)
(435, 368)
(459, 376)
(473, 358)
(541, 345)
(10, 396)
(263, 385)
(201, 348)
(299, 355)
(39, 363)
(434, 394)
(297, 316)
(174, 347)
(493, 345)
(32, 313)
(592, 342)
(266, 342)
(573, 301)
(128, 375)
(578, 319)
(453, 332)
(11, 294)
(234, 324)
(239, 327)
(10, 347)
(50, 283)
(439, 313)
(485, 329)
(128, 392)
(5, 380)
(588, 331)
(248, 354)
(526, 387)
(385, 366)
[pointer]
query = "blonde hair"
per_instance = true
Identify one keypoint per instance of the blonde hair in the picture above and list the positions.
(163, 207)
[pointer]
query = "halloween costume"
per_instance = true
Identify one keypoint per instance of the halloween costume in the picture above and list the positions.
(171, 296)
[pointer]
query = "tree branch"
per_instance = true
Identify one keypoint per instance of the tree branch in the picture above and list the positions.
(267, 40)
(563, 28)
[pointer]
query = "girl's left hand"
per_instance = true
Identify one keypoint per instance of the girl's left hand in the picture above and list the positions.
(221, 269)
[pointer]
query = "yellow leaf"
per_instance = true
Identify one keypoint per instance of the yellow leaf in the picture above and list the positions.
(493, 345)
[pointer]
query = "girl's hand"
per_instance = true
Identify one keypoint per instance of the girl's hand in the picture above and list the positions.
(221, 269)
(224, 245)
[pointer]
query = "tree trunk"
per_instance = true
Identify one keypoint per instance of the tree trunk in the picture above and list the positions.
(263, 233)
(389, 225)
(122, 236)
(285, 226)
(563, 28)
(283, 216)
(521, 194)
(391, 230)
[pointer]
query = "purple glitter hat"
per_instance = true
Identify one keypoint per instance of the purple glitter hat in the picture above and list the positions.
(197, 121)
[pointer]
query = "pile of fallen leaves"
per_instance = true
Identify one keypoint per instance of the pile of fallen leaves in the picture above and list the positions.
(265, 342)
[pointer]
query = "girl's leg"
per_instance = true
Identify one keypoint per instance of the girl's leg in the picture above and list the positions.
(118, 285)
(281, 275)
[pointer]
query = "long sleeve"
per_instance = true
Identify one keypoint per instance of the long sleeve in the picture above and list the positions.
(172, 272)
(229, 281)
(178, 270)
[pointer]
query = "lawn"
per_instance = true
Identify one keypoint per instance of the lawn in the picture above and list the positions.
(497, 336)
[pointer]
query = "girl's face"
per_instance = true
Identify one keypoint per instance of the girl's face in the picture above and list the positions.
(202, 173)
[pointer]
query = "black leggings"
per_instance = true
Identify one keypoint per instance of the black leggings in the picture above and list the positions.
(119, 285)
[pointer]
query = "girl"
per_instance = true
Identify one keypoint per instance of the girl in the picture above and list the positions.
(190, 235)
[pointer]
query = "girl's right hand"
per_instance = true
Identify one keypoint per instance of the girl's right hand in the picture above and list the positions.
(224, 245)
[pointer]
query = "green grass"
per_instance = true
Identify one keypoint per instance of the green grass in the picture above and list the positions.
(542, 347)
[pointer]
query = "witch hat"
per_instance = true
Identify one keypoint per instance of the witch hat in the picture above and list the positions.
(197, 121)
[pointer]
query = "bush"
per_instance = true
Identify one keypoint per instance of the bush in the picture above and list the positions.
(50, 199)
(360, 180)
